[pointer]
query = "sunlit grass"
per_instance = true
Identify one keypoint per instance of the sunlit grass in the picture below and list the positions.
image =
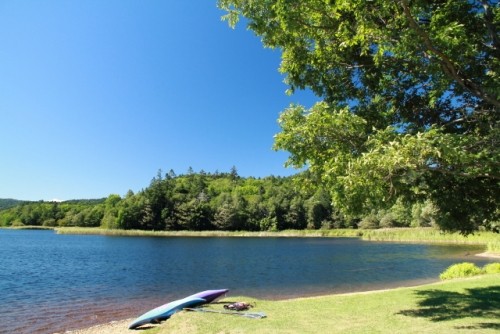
(28, 227)
(494, 246)
(285, 233)
(472, 304)
(430, 235)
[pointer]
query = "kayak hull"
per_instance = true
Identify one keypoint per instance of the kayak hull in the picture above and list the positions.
(166, 311)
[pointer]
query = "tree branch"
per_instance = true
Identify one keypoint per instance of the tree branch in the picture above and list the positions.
(448, 67)
(488, 19)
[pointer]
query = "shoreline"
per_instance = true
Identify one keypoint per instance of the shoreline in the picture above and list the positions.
(392, 235)
(401, 235)
(113, 327)
(489, 255)
(121, 326)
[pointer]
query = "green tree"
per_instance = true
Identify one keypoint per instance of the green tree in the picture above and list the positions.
(110, 217)
(318, 209)
(234, 173)
(194, 216)
(231, 214)
(411, 99)
(423, 214)
(226, 217)
(130, 212)
(7, 217)
(296, 216)
(93, 216)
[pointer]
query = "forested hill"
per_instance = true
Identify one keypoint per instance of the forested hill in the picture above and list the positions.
(6, 203)
(214, 201)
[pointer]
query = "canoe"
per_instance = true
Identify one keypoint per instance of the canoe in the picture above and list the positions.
(165, 311)
(209, 295)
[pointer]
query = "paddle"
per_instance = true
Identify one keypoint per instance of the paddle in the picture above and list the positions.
(256, 315)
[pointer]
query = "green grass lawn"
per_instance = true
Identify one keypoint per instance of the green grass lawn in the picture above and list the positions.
(458, 306)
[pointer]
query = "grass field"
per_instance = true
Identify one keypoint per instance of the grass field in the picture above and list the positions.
(458, 306)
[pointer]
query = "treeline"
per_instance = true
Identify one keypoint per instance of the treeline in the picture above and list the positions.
(214, 201)
(70, 213)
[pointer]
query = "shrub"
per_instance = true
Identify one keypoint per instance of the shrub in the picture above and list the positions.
(401, 213)
(49, 222)
(424, 214)
(17, 223)
(465, 269)
(369, 222)
(492, 268)
(388, 219)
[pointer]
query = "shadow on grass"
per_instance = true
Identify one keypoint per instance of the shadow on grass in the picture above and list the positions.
(439, 305)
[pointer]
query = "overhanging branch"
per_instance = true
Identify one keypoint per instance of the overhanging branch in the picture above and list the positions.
(449, 67)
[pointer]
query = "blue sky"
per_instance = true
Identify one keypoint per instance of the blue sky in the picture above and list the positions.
(97, 96)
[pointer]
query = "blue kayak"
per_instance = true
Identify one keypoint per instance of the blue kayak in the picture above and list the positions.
(165, 311)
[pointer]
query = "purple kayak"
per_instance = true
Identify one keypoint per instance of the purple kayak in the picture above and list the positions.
(209, 295)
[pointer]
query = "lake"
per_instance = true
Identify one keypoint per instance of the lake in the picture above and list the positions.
(51, 283)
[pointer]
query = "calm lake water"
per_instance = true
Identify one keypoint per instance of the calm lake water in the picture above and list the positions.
(52, 283)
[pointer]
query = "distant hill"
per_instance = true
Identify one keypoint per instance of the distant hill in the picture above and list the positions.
(6, 203)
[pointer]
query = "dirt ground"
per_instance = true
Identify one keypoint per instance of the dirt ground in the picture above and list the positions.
(114, 327)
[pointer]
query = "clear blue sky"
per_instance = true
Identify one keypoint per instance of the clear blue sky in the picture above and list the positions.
(97, 96)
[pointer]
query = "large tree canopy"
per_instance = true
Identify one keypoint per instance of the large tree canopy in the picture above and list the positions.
(410, 100)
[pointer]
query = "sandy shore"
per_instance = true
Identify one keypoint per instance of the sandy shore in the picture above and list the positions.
(492, 255)
(114, 327)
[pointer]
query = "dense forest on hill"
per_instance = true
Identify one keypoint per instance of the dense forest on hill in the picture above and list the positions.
(6, 203)
(215, 201)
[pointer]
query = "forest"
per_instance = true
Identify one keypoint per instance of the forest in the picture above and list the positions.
(201, 201)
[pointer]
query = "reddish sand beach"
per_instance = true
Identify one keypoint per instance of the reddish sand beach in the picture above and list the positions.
(492, 255)
(114, 327)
